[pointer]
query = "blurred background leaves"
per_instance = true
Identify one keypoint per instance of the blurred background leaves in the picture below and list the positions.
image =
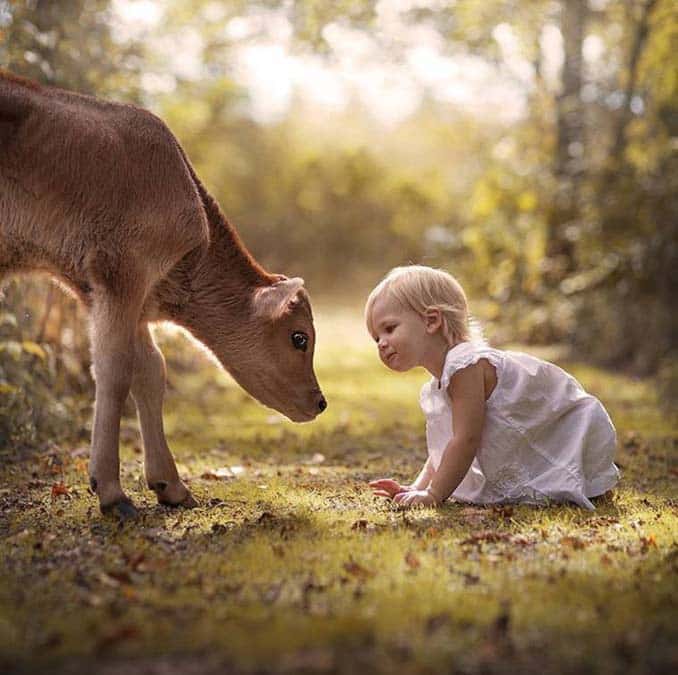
(548, 187)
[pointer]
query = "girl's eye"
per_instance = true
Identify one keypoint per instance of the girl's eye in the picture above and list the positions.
(300, 340)
(390, 329)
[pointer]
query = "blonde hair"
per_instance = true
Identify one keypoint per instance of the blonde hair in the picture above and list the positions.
(422, 288)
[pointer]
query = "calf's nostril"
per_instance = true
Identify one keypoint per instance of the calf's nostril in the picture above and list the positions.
(322, 404)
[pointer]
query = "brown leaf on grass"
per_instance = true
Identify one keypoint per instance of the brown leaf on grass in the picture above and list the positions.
(573, 542)
(357, 570)
(648, 542)
(412, 561)
(59, 490)
(488, 536)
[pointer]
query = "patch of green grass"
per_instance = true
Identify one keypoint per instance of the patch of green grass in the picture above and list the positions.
(291, 565)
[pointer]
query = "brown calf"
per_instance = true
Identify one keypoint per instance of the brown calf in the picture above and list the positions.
(101, 196)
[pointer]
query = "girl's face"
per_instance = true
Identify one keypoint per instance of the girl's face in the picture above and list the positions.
(400, 333)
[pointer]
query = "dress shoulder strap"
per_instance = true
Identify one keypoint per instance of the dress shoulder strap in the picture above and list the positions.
(466, 354)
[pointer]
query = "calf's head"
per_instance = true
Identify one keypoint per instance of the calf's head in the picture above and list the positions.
(278, 366)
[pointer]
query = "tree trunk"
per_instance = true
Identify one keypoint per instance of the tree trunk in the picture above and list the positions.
(639, 40)
(570, 152)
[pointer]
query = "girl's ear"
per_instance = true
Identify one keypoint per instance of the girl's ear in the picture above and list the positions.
(433, 319)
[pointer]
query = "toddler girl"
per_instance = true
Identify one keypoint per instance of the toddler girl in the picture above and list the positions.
(501, 426)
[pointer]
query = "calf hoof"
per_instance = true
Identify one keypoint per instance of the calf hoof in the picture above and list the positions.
(188, 502)
(123, 510)
(173, 494)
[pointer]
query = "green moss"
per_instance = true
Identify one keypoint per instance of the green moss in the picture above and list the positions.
(293, 565)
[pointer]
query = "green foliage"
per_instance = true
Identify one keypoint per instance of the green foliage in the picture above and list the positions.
(31, 410)
(68, 44)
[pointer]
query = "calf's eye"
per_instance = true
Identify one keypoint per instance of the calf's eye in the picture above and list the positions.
(300, 340)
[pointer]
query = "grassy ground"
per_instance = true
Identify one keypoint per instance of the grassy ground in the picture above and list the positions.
(291, 565)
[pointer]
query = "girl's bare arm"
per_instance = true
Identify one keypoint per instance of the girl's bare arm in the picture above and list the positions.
(467, 393)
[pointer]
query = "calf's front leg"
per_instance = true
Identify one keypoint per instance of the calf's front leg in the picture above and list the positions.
(112, 342)
(148, 389)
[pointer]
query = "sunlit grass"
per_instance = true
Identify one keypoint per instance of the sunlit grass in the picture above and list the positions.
(291, 564)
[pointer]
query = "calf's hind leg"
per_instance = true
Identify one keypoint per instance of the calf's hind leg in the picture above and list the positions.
(148, 389)
(113, 321)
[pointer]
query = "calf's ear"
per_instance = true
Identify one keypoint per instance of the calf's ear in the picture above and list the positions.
(275, 300)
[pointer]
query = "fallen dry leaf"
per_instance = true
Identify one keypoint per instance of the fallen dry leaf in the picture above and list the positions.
(489, 536)
(647, 542)
(412, 561)
(59, 490)
(357, 570)
(573, 542)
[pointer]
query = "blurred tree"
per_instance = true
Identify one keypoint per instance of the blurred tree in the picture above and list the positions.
(69, 44)
(569, 164)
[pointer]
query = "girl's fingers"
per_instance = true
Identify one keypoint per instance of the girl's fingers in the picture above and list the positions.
(381, 493)
(384, 483)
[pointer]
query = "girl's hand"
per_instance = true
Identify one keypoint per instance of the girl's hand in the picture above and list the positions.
(387, 487)
(415, 498)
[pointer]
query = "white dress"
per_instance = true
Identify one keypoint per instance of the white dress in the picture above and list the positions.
(544, 438)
